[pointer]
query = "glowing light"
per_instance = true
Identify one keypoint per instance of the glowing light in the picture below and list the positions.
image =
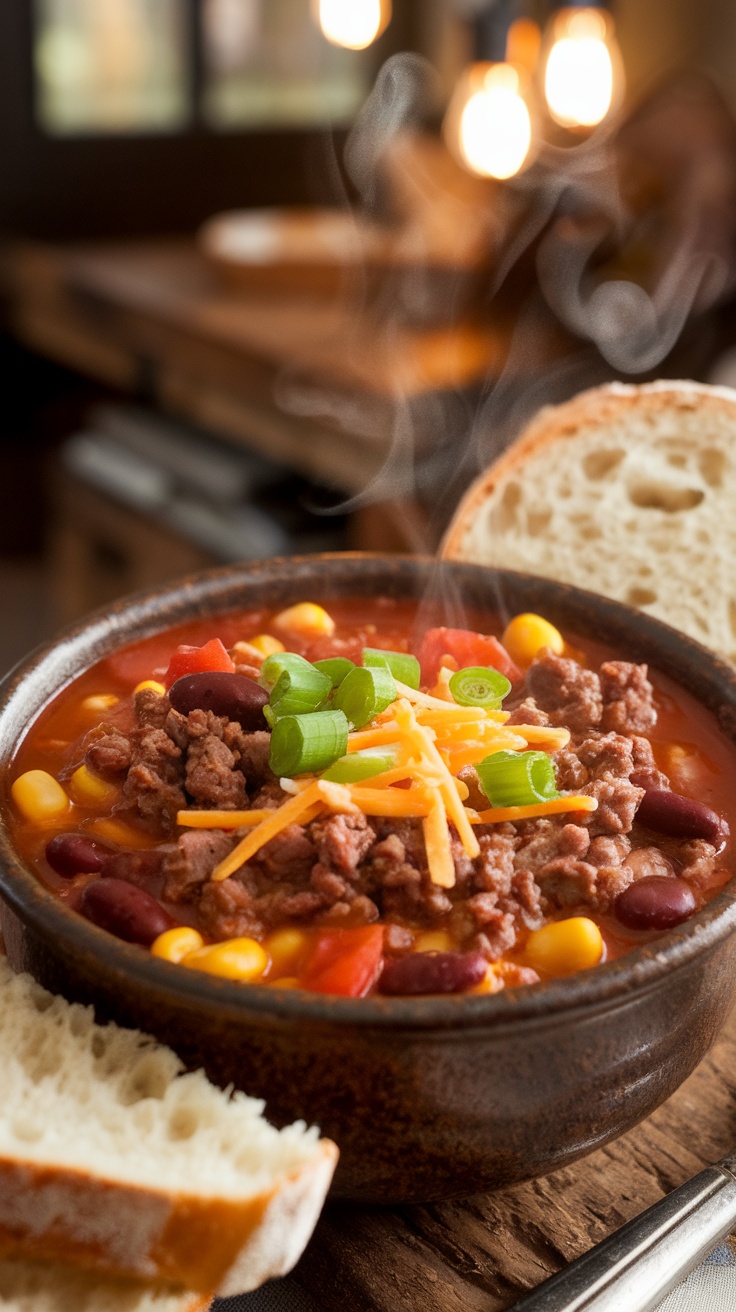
(354, 24)
(488, 124)
(582, 69)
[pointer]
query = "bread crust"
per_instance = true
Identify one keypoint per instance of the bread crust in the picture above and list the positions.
(564, 422)
(209, 1245)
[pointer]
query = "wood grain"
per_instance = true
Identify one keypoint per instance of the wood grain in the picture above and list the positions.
(481, 1254)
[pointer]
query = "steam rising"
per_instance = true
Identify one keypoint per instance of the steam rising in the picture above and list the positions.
(582, 229)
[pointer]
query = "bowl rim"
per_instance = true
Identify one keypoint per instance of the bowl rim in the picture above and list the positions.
(598, 989)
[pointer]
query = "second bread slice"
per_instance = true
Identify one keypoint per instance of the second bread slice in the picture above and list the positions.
(625, 490)
(114, 1158)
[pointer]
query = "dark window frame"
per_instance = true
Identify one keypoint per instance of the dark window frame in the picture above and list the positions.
(112, 185)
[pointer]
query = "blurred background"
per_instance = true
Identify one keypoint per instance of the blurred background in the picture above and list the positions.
(284, 275)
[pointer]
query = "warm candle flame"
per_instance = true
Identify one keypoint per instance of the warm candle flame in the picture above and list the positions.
(354, 24)
(579, 76)
(489, 126)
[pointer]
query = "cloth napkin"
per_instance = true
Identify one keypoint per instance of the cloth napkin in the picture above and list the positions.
(712, 1288)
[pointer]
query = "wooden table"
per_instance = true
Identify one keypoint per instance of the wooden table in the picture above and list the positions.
(314, 384)
(482, 1253)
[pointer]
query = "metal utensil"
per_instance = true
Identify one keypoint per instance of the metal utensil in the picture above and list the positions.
(639, 1264)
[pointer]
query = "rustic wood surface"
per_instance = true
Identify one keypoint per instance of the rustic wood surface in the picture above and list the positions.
(481, 1254)
(316, 384)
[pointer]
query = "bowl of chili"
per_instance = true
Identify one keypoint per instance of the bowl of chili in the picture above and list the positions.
(430, 1089)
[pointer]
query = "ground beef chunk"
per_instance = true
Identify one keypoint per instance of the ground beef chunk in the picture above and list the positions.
(497, 936)
(151, 709)
(618, 800)
(227, 910)
(527, 712)
(110, 755)
(549, 839)
(554, 854)
(628, 705)
(289, 856)
(144, 869)
(494, 869)
(645, 773)
(566, 882)
(253, 750)
(342, 841)
(269, 796)
(700, 866)
(570, 694)
(154, 783)
(349, 912)
(189, 863)
(211, 777)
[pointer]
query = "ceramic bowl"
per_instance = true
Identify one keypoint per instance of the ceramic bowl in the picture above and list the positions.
(426, 1097)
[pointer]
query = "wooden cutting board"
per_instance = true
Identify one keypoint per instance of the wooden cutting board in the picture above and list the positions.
(481, 1254)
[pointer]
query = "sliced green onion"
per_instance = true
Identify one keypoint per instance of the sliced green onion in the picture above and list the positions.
(273, 667)
(305, 744)
(269, 716)
(359, 765)
(479, 686)
(299, 688)
(335, 667)
(401, 665)
(517, 778)
(364, 693)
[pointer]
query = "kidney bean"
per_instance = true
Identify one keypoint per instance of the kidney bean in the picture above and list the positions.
(654, 902)
(75, 854)
(432, 972)
(124, 910)
(681, 817)
(234, 696)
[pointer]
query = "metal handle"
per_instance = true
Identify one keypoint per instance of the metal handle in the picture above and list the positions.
(638, 1265)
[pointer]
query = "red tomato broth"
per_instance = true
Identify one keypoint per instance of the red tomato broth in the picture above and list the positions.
(63, 725)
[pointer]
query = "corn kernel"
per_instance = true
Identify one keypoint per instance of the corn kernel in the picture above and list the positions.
(112, 830)
(100, 702)
(266, 645)
(306, 618)
(152, 685)
(565, 946)
(89, 790)
(286, 947)
(434, 940)
(39, 797)
(286, 982)
(525, 635)
(176, 944)
(237, 958)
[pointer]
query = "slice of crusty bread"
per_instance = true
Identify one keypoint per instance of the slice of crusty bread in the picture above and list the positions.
(625, 490)
(111, 1157)
(50, 1287)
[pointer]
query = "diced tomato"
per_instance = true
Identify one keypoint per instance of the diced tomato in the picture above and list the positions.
(467, 648)
(344, 961)
(198, 660)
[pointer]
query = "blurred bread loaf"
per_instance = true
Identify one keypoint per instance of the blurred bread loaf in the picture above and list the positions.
(50, 1287)
(625, 490)
(112, 1158)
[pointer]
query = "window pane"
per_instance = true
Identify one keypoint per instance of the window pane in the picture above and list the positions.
(268, 64)
(111, 65)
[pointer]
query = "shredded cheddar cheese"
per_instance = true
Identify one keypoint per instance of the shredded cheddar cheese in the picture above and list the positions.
(431, 740)
(555, 806)
(287, 814)
(221, 819)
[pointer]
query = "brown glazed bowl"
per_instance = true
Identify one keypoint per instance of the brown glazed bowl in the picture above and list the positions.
(426, 1097)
